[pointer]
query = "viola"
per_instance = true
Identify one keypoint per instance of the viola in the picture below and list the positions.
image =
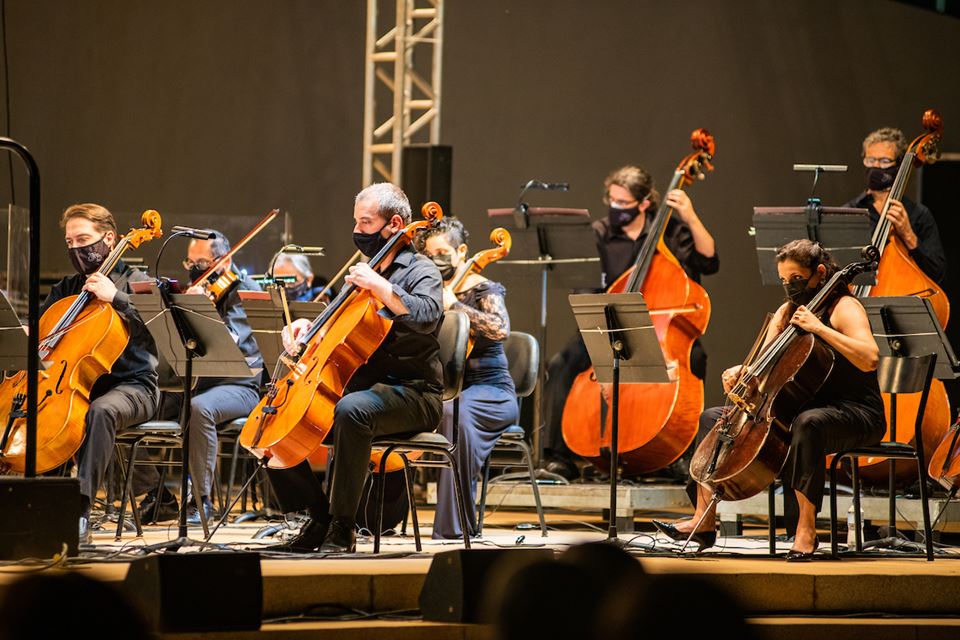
(659, 421)
(217, 285)
(291, 421)
(82, 338)
(899, 275)
(747, 447)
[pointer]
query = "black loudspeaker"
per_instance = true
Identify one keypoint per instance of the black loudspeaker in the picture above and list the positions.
(456, 583)
(198, 591)
(40, 515)
(427, 171)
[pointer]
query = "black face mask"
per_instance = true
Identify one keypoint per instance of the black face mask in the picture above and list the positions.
(298, 290)
(881, 179)
(444, 263)
(799, 293)
(88, 259)
(622, 217)
(370, 244)
(196, 272)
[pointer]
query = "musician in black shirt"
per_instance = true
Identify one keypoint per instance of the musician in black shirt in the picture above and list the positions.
(913, 223)
(128, 395)
(633, 202)
(400, 389)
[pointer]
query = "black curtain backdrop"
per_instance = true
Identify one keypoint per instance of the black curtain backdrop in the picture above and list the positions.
(228, 108)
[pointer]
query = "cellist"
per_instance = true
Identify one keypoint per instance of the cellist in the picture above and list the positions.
(913, 223)
(128, 395)
(846, 412)
(399, 390)
(632, 202)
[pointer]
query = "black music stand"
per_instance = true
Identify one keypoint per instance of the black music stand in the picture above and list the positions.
(906, 326)
(549, 238)
(842, 231)
(624, 349)
(191, 336)
(265, 315)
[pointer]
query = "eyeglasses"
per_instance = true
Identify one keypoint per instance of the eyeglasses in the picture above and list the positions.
(882, 163)
(203, 265)
(622, 204)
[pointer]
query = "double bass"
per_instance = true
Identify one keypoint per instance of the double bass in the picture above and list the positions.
(659, 420)
(747, 447)
(899, 275)
(82, 338)
(291, 421)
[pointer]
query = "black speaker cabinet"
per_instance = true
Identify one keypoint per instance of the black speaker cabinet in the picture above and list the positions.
(427, 171)
(457, 580)
(206, 591)
(40, 515)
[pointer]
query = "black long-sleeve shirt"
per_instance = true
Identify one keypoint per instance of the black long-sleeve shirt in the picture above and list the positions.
(138, 362)
(929, 254)
(410, 353)
(618, 251)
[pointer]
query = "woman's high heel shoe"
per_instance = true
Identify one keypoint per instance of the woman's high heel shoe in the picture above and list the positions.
(703, 539)
(803, 556)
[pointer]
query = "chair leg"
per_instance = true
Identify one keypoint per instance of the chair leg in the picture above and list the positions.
(528, 456)
(857, 524)
(379, 486)
(127, 489)
(167, 457)
(834, 546)
(232, 477)
(482, 509)
(772, 518)
(458, 490)
(408, 482)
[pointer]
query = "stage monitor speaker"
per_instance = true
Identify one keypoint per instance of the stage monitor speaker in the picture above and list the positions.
(427, 173)
(207, 591)
(456, 583)
(40, 516)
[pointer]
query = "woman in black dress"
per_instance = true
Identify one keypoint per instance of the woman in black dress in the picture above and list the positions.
(845, 412)
(488, 401)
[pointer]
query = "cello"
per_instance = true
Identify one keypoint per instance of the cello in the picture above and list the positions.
(82, 339)
(747, 447)
(663, 417)
(502, 241)
(291, 421)
(899, 275)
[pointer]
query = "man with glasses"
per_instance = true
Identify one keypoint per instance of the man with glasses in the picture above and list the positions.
(632, 204)
(913, 223)
(215, 401)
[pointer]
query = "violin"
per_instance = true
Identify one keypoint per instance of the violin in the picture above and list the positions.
(82, 338)
(659, 420)
(291, 421)
(217, 285)
(899, 275)
(747, 447)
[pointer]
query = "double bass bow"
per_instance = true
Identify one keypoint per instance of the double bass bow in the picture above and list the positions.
(899, 275)
(659, 420)
(291, 421)
(82, 338)
(747, 447)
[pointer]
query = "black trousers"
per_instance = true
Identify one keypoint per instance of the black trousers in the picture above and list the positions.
(358, 417)
(562, 369)
(815, 432)
(119, 407)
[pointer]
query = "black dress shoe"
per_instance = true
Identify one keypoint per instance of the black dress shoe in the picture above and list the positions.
(703, 539)
(85, 536)
(308, 540)
(803, 556)
(342, 538)
(563, 468)
(169, 507)
(194, 519)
